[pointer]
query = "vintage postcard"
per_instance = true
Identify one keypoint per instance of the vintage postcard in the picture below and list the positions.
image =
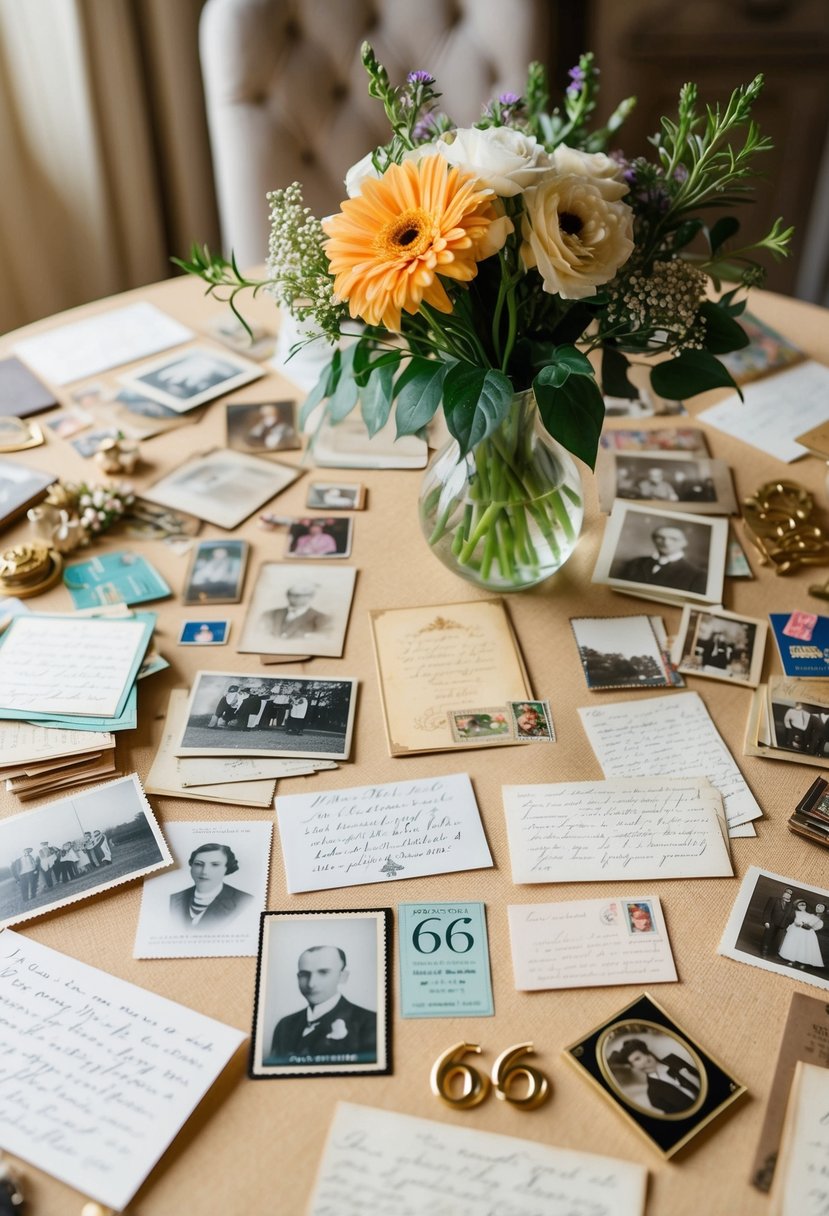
(322, 1005)
(474, 1172)
(590, 943)
(68, 423)
(258, 343)
(444, 961)
(658, 439)
(803, 644)
(782, 925)
(191, 377)
(635, 828)
(775, 410)
(799, 1187)
(669, 737)
(347, 445)
(70, 995)
(78, 846)
(260, 428)
(659, 1079)
(767, 351)
(209, 905)
(805, 1037)
(798, 718)
(721, 645)
(439, 658)
(688, 482)
(478, 726)
(216, 573)
(20, 488)
(294, 612)
(378, 833)
(222, 487)
(663, 555)
(336, 496)
(87, 445)
(204, 633)
(236, 714)
(620, 652)
(114, 578)
(320, 537)
(147, 521)
(532, 721)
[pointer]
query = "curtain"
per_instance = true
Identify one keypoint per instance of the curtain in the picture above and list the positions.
(104, 147)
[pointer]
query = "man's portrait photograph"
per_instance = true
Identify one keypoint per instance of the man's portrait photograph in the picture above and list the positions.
(322, 1001)
(292, 612)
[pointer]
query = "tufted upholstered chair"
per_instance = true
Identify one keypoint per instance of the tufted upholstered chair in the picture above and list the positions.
(286, 92)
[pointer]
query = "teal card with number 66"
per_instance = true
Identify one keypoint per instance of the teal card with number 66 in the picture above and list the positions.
(444, 961)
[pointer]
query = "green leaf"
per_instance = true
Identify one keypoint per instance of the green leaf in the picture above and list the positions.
(723, 230)
(692, 372)
(375, 398)
(686, 232)
(615, 382)
(419, 391)
(576, 363)
(573, 413)
(344, 398)
(722, 332)
(475, 401)
(324, 387)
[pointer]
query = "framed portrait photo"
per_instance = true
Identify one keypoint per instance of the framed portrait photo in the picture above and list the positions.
(293, 611)
(336, 495)
(654, 1073)
(216, 572)
(191, 377)
(222, 487)
(321, 1006)
(262, 427)
(687, 482)
(720, 645)
(320, 537)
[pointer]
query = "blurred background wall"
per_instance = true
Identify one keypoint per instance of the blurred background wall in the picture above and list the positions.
(104, 144)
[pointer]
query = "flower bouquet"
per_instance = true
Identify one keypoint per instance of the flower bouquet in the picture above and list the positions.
(477, 269)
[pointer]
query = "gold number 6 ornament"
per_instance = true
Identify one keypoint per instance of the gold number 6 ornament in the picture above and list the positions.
(447, 1066)
(506, 1069)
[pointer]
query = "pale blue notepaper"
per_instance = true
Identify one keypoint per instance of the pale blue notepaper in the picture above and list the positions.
(444, 961)
(114, 578)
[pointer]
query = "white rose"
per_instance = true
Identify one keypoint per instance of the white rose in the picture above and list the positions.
(358, 173)
(603, 171)
(574, 235)
(502, 159)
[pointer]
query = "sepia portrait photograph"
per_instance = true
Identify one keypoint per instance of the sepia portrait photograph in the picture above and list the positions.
(322, 998)
(320, 537)
(620, 652)
(76, 847)
(232, 714)
(191, 377)
(209, 905)
(222, 487)
(292, 612)
(339, 496)
(720, 646)
(216, 572)
(690, 482)
(260, 428)
(664, 555)
(654, 1073)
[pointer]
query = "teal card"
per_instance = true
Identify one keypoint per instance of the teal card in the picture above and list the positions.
(114, 578)
(444, 961)
(127, 719)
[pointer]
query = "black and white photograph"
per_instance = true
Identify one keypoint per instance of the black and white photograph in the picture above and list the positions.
(20, 488)
(721, 646)
(799, 724)
(782, 925)
(76, 847)
(292, 612)
(320, 537)
(322, 996)
(262, 427)
(209, 905)
(222, 487)
(191, 377)
(237, 714)
(620, 652)
(666, 556)
(691, 483)
(216, 572)
(655, 1074)
(338, 496)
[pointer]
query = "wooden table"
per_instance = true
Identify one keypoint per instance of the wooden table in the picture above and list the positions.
(254, 1147)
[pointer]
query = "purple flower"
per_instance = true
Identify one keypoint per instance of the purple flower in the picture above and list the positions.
(420, 77)
(508, 99)
(577, 78)
(425, 129)
(680, 173)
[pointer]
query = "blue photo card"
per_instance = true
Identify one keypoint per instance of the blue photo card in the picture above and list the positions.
(802, 643)
(114, 578)
(444, 961)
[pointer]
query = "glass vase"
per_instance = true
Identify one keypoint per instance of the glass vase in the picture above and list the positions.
(509, 514)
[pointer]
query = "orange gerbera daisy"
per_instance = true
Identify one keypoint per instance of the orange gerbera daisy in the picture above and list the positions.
(387, 246)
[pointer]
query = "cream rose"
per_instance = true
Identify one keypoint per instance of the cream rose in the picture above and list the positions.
(603, 171)
(503, 159)
(357, 174)
(574, 235)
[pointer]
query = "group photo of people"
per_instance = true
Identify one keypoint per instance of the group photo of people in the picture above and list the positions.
(718, 646)
(43, 866)
(801, 727)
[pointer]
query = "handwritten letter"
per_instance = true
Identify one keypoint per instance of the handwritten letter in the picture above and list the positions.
(801, 1180)
(96, 1075)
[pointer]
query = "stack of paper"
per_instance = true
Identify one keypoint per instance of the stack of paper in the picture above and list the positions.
(789, 720)
(37, 760)
(799, 1184)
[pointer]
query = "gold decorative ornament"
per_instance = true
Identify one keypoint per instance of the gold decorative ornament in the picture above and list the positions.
(447, 1067)
(778, 522)
(29, 568)
(117, 455)
(505, 1070)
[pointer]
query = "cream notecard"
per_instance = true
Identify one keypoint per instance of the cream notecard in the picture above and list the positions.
(801, 1180)
(776, 409)
(600, 831)
(343, 838)
(590, 943)
(23, 744)
(670, 736)
(381, 1161)
(440, 658)
(98, 1074)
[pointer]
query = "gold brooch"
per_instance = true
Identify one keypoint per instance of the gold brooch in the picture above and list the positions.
(28, 568)
(778, 521)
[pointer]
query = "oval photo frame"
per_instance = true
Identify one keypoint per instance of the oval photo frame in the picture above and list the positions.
(635, 1029)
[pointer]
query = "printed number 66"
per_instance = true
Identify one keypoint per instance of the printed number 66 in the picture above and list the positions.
(420, 933)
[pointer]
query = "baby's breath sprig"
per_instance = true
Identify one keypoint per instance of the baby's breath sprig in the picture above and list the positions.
(298, 275)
